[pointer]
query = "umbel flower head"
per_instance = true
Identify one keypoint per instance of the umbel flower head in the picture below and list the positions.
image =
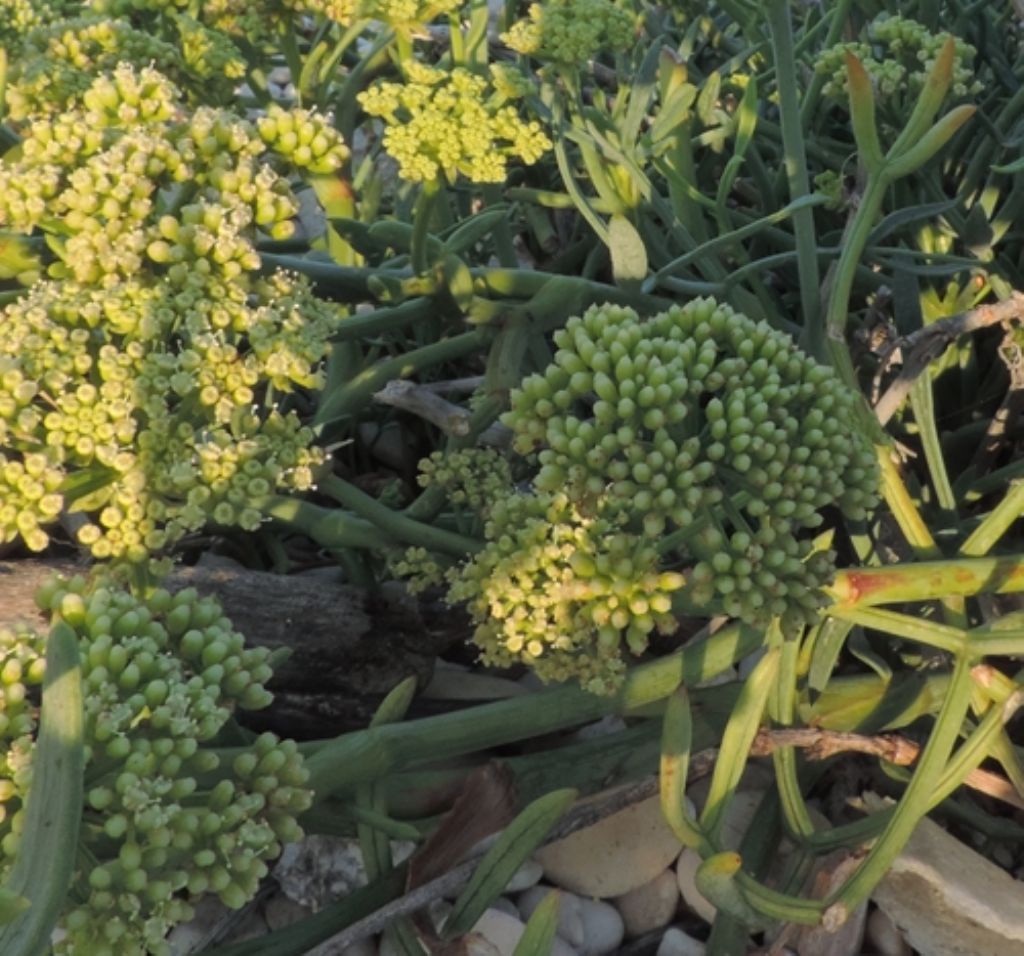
(687, 455)
(898, 54)
(570, 32)
(443, 123)
(141, 389)
(166, 820)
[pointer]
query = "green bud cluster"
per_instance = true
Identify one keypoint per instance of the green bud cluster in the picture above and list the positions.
(472, 478)
(166, 820)
(209, 55)
(403, 15)
(687, 455)
(58, 62)
(898, 55)
(447, 122)
(304, 139)
(571, 32)
(142, 387)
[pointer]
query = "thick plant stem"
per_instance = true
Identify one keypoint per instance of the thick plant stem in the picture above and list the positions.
(421, 217)
(928, 581)
(916, 799)
(394, 523)
(796, 172)
(355, 758)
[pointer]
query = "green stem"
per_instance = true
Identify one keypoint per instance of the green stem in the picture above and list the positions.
(996, 523)
(916, 798)
(795, 160)
(782, 705)
(347, 400)
(854, 242)
(396, 524)
(342, 764)
(422, 214)
(928, 581)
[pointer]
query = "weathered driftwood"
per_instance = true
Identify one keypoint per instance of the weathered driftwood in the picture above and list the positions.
(349, 646)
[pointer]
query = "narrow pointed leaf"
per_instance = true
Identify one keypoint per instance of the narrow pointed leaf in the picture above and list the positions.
(676, 740)
(934, 91)
(540, 928)
(45, 859)
(522, 836)
(737, 739)
(930, 143)
(862, 113)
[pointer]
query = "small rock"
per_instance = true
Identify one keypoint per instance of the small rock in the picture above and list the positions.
(686, 879)
(603, 928)
(320, 869)
(885, 936)
(503, 932)
(527, 875)
(616, 855)
(737, 818)
(651, 906)
(570, 920)
(279, 911)
(950, 900)
(504, 904)
(676, 943)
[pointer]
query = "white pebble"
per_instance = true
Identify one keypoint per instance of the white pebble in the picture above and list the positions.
(570, 919)
(676, 943)
(591, 927)
(506, 906)
(603, 928)
(503, 932)
(526, 876)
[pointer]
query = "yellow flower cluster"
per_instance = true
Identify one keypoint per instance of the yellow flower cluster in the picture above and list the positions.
(443, 123)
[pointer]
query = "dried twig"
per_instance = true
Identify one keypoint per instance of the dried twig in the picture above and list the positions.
(926, 344)
(822, 744)
(425, 403)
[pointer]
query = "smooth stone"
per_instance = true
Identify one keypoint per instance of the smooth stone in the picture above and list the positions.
(885, 936)
(320, 869)
(503, 932)
(677, 943)
(527, 875)
(651, 906)
(570, 919)
(279, 911)
(504, 904)
(737, 818)
(603, 928)
(591, 927)
(615, 855)
(686, 879)
(951, 901)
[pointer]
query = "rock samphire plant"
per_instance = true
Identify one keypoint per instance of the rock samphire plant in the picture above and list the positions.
(673, 255)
